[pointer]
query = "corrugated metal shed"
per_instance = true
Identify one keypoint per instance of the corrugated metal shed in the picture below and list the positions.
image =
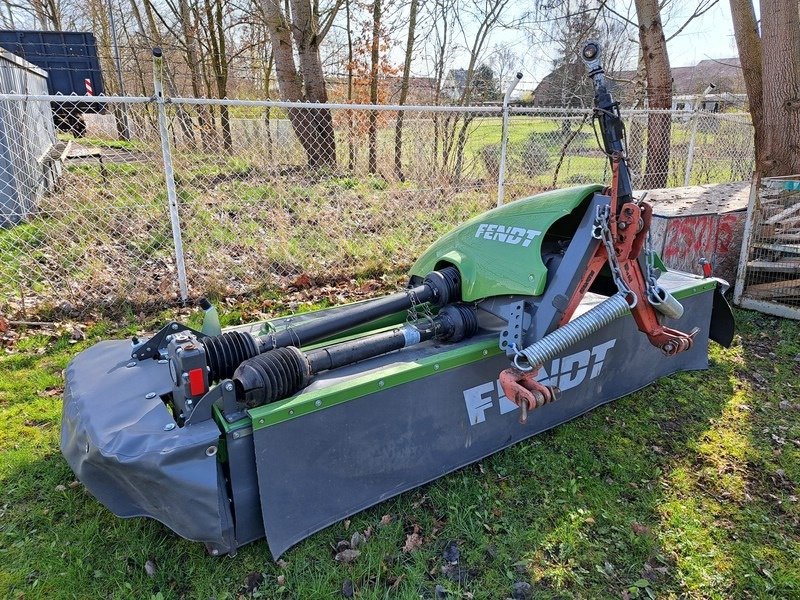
(27, 138)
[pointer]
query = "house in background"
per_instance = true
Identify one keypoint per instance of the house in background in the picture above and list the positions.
(689, 83)
(569, 86)
(454, 84)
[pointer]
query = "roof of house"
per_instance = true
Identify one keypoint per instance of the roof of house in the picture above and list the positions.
(725, 74)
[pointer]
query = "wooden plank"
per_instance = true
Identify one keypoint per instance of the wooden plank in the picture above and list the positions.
(67, 150)
(784, 214)
(786, 237)
(770, 308)
(788, 248)
(774, 267)
(774, 289)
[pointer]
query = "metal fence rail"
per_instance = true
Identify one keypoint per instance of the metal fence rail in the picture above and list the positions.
(253, 194)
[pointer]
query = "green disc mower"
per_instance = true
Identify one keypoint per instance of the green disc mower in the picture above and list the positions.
(516, 321)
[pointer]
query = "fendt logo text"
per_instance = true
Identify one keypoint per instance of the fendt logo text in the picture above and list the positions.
(507, 234)
(564, 373)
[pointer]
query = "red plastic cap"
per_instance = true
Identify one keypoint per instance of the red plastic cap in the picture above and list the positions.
(197, 384)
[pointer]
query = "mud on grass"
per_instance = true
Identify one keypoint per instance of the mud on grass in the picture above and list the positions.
(688, 488)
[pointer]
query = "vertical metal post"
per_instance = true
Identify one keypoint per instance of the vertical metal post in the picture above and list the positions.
(169, 174)
(501, 175)
(693, 137)
(124, 130)
(747, 238)
(690, 154)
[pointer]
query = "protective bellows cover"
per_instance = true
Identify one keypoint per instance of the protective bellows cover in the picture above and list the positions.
(271, 376)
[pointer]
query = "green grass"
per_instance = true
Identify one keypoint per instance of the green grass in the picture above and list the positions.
(687, 489)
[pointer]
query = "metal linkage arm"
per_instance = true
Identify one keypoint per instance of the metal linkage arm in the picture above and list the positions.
(606, 111)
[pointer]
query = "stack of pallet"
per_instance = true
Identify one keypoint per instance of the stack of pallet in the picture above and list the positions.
(773, 270)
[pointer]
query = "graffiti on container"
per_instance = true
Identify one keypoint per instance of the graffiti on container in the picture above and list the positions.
(713, 237)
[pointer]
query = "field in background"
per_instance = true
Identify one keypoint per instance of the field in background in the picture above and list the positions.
(687, 489)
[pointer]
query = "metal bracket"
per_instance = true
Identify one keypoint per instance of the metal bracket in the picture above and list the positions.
(156, 346)
(511, 336)
(231, 409)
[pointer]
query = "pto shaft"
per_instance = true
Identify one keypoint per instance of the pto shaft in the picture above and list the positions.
(282, 372)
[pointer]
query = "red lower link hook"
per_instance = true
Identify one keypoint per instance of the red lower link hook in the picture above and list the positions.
(523, 390)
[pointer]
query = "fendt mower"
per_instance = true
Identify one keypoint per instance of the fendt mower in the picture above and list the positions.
(518, 320)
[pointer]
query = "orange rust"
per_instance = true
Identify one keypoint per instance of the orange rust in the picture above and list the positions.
(629, 226)
(523, 390)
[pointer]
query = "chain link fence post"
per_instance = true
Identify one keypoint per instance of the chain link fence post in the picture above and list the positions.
(501, 174)
(693, 137)
(690, 153)
(169, 174)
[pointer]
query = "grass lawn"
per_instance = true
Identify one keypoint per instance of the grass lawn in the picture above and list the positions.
(688, 488)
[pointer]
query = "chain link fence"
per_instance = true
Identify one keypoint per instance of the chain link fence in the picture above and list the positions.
(225, 197)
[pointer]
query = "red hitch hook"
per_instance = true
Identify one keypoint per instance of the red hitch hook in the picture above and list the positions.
(523, 390)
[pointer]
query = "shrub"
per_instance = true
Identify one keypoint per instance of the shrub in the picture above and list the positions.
(534, 156)
(490, 155)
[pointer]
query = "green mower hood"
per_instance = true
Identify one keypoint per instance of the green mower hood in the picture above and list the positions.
(500, 251)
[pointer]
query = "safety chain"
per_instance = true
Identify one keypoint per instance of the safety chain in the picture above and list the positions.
(413, 312)
(602, 231)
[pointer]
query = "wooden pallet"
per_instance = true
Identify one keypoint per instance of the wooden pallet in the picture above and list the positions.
(774, 262)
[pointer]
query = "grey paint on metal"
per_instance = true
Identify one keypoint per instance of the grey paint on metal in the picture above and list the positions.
(26, 136)
(123, 447)
(563, 284)
(301, 475)
(318, 469)
(244, 486)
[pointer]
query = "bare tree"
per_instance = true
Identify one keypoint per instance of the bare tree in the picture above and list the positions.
(351, 150)
(485, 14)
(372, 131)
(504, 61)
(398, 128)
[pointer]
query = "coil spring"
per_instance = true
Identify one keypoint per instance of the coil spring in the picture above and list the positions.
(562, 338)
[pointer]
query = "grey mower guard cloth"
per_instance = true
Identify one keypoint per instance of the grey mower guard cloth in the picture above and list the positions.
(322, 467)
(125, 448)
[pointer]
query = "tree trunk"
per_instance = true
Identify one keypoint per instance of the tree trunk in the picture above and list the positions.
(780, 30)
(372, 133)
(748, 42)
(318, 122)
(659, 92)
(635, 149)
(184, 119)
(221, 67)
(351, 150)
(398, 128)
(313, 127)
(190, 37)
(267, 94)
